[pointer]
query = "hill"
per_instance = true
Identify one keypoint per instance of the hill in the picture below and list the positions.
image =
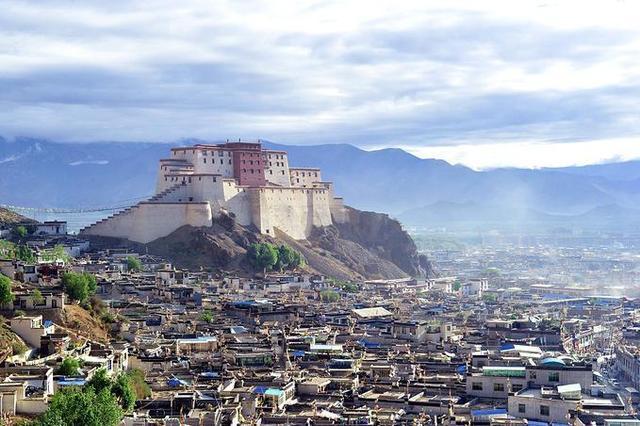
(371, 246)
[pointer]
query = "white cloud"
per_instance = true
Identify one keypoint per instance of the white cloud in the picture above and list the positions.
(532, 154)
(417, 73)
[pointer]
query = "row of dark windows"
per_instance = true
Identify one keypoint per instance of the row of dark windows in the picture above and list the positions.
(213, 161)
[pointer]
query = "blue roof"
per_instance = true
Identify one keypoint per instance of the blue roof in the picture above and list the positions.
(274, 392)
(298, 353)
(553, 361)
(72, 382)
(48, 323)
(370, 345)
(260, 390)
(461, 369)
(490, 412)
(174, 382)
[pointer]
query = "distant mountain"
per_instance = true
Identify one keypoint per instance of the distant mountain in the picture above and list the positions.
(44, 173)
(627, 170)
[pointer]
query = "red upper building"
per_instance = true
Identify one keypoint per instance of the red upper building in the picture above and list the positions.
(248, 163)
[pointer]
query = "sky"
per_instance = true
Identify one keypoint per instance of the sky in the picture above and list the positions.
(482, 83)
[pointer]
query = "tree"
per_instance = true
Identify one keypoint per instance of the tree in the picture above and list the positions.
(263, 256)
(82, 406)
(6, 294)
(36, 297)
(25, 254)
(7, 249)
(69, 367)
(55, 254)
(329, 295)
(79, 287)
(120, 388)
(286, 257)
(134, 264)
(206, 316)
(123, 390)
(456, 286)
(100, 381)
(139, 385)
(21, 231)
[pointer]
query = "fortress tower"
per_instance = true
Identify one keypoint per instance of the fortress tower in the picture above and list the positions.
(255, 185)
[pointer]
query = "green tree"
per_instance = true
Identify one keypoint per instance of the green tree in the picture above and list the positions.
(124, 392)
(36, 297)
(329, 296)
(263, 256)
(7, 249)
(6, 294)
(25, 254)
(69, 367)
(100, 381)
(55, 254)
(138, 383)
(21, 231)
(206, 316)
(82, 406)
(134, 264)
(79, 287)
(286, 256)
(456, 286)
(121, 388)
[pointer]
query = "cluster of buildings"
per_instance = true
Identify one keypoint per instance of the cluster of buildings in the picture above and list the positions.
(224, 350)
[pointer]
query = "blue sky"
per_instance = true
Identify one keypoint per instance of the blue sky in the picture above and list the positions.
(484, 83)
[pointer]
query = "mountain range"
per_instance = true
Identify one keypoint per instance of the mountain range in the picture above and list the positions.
(420, 192)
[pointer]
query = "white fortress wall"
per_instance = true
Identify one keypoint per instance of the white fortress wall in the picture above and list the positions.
(294, 211)
(148, 221)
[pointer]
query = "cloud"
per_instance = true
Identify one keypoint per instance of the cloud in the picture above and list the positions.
(420, 74)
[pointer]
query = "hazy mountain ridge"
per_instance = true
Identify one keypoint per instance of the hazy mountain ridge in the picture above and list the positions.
(44, 173)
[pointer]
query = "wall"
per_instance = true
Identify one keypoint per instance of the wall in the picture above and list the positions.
(294, 211)
(305, 177)
(147, 221)
(277, 168)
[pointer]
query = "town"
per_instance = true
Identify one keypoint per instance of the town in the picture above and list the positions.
(203, 347)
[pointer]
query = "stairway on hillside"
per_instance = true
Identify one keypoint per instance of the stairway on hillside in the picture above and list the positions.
(157, 197)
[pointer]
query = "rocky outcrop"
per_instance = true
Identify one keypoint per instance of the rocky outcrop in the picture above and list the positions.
(385, 238)
(368, 246)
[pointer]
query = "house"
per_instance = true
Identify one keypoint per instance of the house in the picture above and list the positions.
(53, 227)
(31, 329)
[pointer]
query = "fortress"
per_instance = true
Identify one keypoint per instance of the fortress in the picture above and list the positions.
(253, 184)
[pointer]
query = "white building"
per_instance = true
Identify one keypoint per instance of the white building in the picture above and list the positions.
(31, 329)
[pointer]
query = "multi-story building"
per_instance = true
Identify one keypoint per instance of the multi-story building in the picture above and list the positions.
(255, 185)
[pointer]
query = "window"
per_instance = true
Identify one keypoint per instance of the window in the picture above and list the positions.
(498, 387)
(532, 375)
(476, 386)
(544, 410)
(516, 388)
(554, 377)
(522, 408)
(205, 160)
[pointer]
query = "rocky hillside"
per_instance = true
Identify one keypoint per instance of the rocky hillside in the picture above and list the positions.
(370, 245)
(8, 217)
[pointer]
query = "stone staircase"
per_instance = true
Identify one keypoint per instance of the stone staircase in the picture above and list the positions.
(128, 210)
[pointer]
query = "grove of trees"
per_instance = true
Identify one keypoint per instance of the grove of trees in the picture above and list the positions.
(267, 257)
(79, 287)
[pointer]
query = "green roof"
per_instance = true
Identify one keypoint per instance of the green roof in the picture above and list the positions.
(502, 371)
